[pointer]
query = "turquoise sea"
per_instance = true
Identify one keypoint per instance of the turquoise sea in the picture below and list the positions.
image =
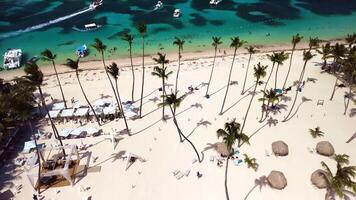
(24, 23)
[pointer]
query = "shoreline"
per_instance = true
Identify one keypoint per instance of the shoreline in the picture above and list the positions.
(89, 65)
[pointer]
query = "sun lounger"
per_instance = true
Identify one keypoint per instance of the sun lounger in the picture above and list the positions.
(237, 162)
(311, 150)
(186, 173)
(179, 175)
(267, 153)
(212, 158)
(176, 172)
(320, 102)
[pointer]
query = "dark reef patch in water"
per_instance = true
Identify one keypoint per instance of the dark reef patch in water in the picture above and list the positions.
(217, 22)
(197, 19)
(329, 7)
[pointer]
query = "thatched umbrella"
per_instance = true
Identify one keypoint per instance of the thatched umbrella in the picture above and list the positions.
(221, 148)
(280, 148)
(318, 178)
(277, 180)
(325, 148)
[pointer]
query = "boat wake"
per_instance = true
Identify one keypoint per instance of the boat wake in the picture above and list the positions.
(39, 26)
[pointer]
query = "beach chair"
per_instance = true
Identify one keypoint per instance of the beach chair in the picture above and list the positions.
(179, 175)
(176, 172)
(320, 102)
(212, 158)
(311, 150)
(267, 153)
(186, 173)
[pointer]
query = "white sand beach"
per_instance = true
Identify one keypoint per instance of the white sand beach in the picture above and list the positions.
(157, 141)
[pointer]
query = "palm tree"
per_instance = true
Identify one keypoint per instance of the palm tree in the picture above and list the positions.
(251, 50)
(281, 57)
(351, 39)
(113, 70)
(235, 43)
(230, 134)
(48, 55)
(273, 58)
(314, 43)
(342, 180)
(259, 72)
(295, 40)
(338, 52)
(325, 52)
(161, 73)
(216, 42)
(35, 76)
(101, 47)
(173, 102)
(142, 29)
(75, 66)
(251, 162)
(179, 42)
(349, 69)
(316, 132)
(306, 57)
(271, 96)
(129, 38)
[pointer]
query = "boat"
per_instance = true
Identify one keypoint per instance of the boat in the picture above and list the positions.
(215, 2)
(95, 3)
(87, 27)
(12, 59)
(82, 51)
(158, 5)
(176, 13)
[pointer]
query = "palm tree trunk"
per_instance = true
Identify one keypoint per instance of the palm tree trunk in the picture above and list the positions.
(133, 75)
(38, 155)
(86, 98)
(107, 74)
(297, 91)
(249, 106)
(228, 82)
(143, 73)
(248, 65)
(226, 188)
(163, 91)
(59, 83)
(55, 131)
(264, 90)
(348, 96)
(211, 73)
(276, 77)
(334, 88)
(122, 110)
(176, 86)
(290, 66)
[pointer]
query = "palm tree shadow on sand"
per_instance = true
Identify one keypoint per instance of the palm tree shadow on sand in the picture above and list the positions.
(259, 182)
(304, 99)
(201, 122)
(234, 104)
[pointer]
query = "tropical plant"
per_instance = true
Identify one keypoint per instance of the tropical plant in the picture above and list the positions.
(216, 42)
(307, 56)
(281, 57)
(251, 162)
(75, 66)
(179, 42)
(342, 180)
(338, 52)
(162, 73)
(113, 70)
(271, 97)
(129, 39)
(259, 73)
(142, 29)
(35, 76)
(235, 43)
(48, 55)
(325, 52)
(101, 48)
(172, 101)
(230, 134)
(316, 132)
(351, 39)
(295, 40)
(251, 50)
(273, 58)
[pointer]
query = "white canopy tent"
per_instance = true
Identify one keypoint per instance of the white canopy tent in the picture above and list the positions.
(53, 114)
(58, 106)
(81, 112)
(65, 132)
(67, 113)
(102, 102)
(109, 110)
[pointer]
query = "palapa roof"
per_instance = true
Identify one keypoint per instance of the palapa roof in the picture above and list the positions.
(221, 148)
(280, 148)
(277, 180)
(325, 148)
(318, 178)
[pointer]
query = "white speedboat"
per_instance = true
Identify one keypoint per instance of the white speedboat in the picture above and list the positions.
(12, 59)
(158, 5)
(95, 3)
(215, 2)
(176, 13)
